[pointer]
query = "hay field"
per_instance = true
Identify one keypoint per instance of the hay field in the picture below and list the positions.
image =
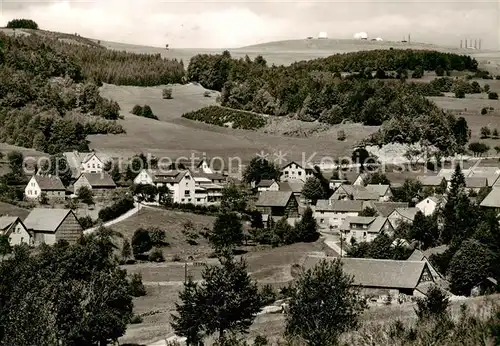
(172, 136)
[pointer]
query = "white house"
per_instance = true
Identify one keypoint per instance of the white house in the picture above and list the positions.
(294, 171)
(51, 185)
(14, 228)
(365, 229)
(204, 167)
(429, 205)
(401, 215)
(180, 183)
(331, 213)
(85, 162)
(267, 185)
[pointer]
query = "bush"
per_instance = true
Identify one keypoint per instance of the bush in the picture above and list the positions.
(145, 111)
(156, 255)
(137, 319)
(341, 135)
(176, 258)
(207, 94)
(484, 111)
(167, 93)
(119, 208)
(137, 288)
(459, 94)
(141, 242)
(493, 96)
(86, 222)
(219, 116)
(485, 132)
(195, 209)
(22, 24)
(157, 236)
(268, 294)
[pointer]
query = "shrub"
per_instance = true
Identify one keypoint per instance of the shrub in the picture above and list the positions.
(137, 319)
(494, 134)
(341, 135)
(156, 255)
(493, 96)
(207, 94)
(219, 116)
(486, 88)
(119, 208)
(157, 236)
(484, 111)
(86, 222)
(485, 132)
(459, 94)
(176, 258)
(167, 93)
(141, 242)
(22, 24)
(137, 288)
(268, 294)
(137, 110)
(435, 304)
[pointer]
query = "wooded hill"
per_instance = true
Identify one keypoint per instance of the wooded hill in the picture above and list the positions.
(315, 90)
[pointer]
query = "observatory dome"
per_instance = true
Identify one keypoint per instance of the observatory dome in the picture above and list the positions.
(361, 35)
(323, 34)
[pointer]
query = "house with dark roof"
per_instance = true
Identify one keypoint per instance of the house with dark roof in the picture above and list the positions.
(377, 277)
(401, 215)
(180, 183)
(419, 255)
(295, 186)
(432, 181)
(331, 214)
(384, 191)
(48, 226)
(96, 182)
(491, 174)
(278, 203)
(294, 171)
(365, 228)
(51, 185)
(475, 183)
(355, 192)
(386, 208)
(267, 185)
(15, 230)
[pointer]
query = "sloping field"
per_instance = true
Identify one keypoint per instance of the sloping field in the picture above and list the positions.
(172, 136)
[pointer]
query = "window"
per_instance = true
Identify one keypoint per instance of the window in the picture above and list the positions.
(187, 184)
(93, 165)
(189, 199)
(300, 173)
(98, 166)
(36, 192)
(286, 172)
(321, 220)
(364, 234)
(187, 192)
(322, 212)
(198, 199)
(88, 165)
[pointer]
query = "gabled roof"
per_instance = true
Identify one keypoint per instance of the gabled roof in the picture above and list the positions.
(295, 186)
(210, 176)
(476, 182)
(97, 180)
(407, 213)
(339, 206)
(357, 192)
(368, 272)
(7, 221)
(167, 176)
(492, 200)
(49, 182)
(266, 183)
(274, 198)
(46, 220)
(85, 157)
(380, 189)
(386, 208)
(289, 163)
(430, 180)
(490, 173)
(374, 223)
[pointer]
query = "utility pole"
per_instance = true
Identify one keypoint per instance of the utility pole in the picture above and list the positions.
(185, 271)
(461, 44)
(341, 244)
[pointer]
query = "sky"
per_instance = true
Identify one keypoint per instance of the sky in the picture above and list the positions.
(231, 24)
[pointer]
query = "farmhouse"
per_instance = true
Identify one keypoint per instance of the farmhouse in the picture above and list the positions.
(180, 183)
(295, 186)
(386, 208)
(85, 162)
(474, 184)
(97, 182)
(356, 192)
(267, 185)
(51, 185)
(432, 181)
(331, 213)
(278, 203)
(429, 205)
(365, 229)
(491, 174)
(51, 225)
(378, 277)
(384, 191)
(14, 228)
(401, 215)
(418, 255)
(294, 171)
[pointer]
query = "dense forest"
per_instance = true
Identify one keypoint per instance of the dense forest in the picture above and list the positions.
(227, 117)
(315, 90)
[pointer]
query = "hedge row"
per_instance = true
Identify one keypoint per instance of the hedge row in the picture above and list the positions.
(195, 209)
(220, 116)
(119, 208)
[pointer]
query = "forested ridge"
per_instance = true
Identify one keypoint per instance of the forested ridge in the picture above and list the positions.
(315, 90)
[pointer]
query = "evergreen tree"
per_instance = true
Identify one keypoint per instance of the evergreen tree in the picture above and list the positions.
(313, 190)
(126, 250)
(260, 169)
(187, 322)
(233, 199)
(227, 231)
(323, 305)
(435, 304)
(425, 230)
(307, 227)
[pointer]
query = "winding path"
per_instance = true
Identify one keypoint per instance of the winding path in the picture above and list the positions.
(131, 212)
